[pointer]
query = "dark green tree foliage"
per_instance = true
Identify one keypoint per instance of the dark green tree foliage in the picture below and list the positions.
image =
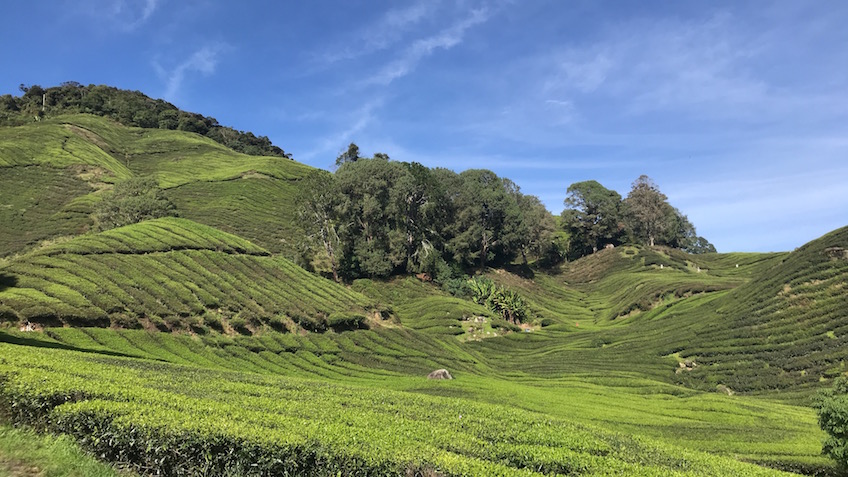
(488, 225)
(392, 217)
(596, 216)
(130, 108)
(593, 217)
(351, 154)
(419, 203)
(683, 236)
(373, 245)
(316, 209)
(650, 218)
(832, 408)
(132, 201)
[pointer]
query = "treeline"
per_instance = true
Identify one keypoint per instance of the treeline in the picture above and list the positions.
(375, 217)
(596, 217)
(130, 108)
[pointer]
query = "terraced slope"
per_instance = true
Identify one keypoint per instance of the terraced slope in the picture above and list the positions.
(52, 173)
(163, 269)
(185, 420)
(785, 329)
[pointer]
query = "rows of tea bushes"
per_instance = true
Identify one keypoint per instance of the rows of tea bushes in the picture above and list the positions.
(166, 268)
(786, 329)
(363, 354)
(171, 420)
(40, 203)
(63, 160)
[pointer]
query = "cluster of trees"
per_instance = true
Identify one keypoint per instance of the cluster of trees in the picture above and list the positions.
(596, 216)
(130, 108)
(130, 202)
(375, 217)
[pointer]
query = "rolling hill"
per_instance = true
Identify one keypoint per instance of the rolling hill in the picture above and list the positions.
(201, 332)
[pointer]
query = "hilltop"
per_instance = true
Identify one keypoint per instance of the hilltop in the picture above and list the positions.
(633, 359)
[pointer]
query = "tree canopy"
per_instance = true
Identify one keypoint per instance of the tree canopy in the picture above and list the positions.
(593, 217)
(130, 108)
(596, 216)
(396, 217)
(131, 201)
(832, 408)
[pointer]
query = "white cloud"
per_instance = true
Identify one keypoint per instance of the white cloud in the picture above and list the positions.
(386, 31)
(359, 119)
(203, 61)
(424, 47)
(123, 15)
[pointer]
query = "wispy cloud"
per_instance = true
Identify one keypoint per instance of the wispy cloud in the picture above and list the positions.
(424, 47)
(386, 31)
(359, 119)
(122, 15)
(203, 61)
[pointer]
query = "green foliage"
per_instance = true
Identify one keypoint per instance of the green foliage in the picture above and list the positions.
(130, 108)
(133, 201)
(186, 420)
(596, 217)
(23, 451)
(832, 407)
(504, 302)
(351, 154)
(346, 321)
(168, 267)
(592, 217)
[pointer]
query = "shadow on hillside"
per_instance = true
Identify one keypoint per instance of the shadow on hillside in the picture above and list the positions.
(523, 271)
(7, 281)
(24, 341)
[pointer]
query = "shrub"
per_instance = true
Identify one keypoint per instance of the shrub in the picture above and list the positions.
(159, 323)
(125, 321)
(132, 201)
(239, 324)
(346, 321)
(8, 315)
(213, 322)
(832, 407)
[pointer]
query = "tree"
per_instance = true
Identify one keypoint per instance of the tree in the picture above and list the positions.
(316, 210)
(131, 201)
(592, 217)
(350, 155)
(417, 199)
(832, 407)
(487, 222)
(649, 215)
(374, 246)
(682, 235)
(538, 226)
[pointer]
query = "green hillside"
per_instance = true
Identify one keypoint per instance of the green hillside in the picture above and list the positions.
(785, 329)
(166, 269)
(53, 172)
(200, 332)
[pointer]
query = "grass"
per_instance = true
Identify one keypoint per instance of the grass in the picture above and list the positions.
(24, 453)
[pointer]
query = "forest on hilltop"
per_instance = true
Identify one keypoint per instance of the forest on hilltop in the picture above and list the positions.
(130, 108)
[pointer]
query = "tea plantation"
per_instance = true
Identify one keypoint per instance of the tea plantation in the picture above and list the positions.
(194, 345)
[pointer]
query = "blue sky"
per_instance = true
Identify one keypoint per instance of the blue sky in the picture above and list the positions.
(738, 110)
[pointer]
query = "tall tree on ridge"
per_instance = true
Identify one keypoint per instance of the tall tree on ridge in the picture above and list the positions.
(649, 215)
(592, 217)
